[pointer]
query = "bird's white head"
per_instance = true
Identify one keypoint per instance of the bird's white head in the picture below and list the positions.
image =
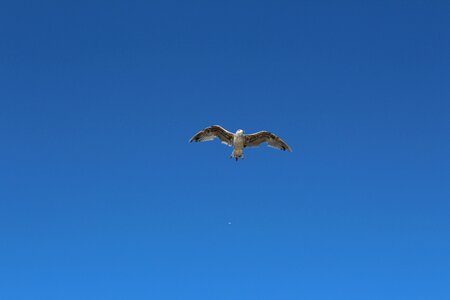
(239, 132)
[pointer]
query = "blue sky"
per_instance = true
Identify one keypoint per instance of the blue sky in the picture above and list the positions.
(102, 196)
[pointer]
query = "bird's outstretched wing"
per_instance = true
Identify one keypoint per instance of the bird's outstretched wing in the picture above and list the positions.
(209, 133)
(255, 139)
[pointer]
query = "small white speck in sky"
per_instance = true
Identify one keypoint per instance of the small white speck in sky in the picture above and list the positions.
(229, 223)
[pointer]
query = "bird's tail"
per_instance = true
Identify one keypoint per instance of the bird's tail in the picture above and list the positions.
(237, 153)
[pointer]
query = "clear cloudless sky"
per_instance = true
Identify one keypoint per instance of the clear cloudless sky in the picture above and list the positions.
(102, 196)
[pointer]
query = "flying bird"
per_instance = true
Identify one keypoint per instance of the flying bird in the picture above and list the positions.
(239, 140)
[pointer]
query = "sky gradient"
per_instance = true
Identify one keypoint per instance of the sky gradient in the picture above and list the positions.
(102, 196)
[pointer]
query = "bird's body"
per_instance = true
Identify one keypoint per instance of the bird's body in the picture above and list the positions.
(239, 140)
(238, 144)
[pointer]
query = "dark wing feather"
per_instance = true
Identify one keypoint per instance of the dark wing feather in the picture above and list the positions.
(255, 139)
(212, 132)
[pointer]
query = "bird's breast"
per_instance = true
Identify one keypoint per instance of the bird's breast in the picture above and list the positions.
(238, 141)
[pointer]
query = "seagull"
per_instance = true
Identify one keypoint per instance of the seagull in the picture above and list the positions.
(239, 140)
